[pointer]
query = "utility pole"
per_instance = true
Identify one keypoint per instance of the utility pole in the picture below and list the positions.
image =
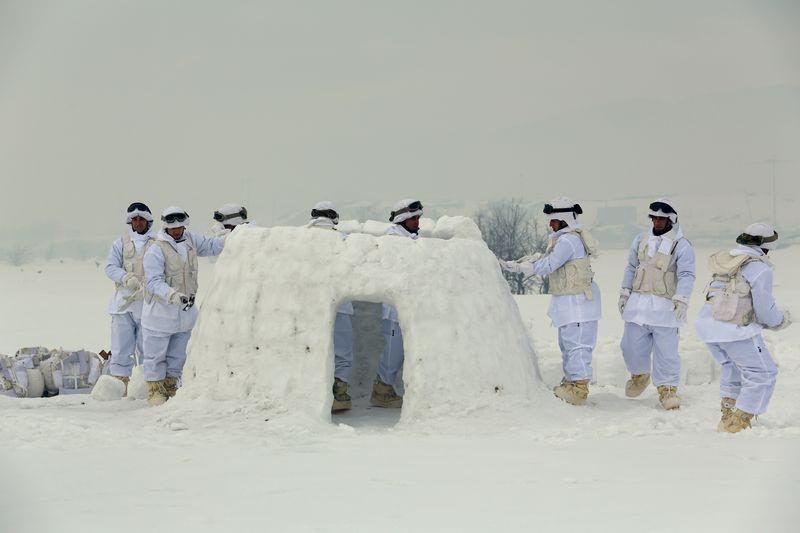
(774, 162)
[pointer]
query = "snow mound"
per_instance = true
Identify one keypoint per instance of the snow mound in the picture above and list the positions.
(265, 328)
(108, 388)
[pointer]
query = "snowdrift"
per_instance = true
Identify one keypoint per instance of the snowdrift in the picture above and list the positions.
(265, 328)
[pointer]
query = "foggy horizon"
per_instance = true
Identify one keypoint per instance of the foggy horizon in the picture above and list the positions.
(277, 106)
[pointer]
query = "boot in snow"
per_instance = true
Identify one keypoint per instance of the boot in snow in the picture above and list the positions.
(384, 395)
(156, 393)
(735, 422)
(125, 380)
(573, 392)
(668, 396)
(727, 405)
(341, 400)
(636, 385)
(170, 386)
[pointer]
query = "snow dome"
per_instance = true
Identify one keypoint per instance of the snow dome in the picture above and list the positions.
(265, 328)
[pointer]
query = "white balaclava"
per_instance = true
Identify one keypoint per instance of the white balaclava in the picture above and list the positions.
(405, 209)
(562, 208)
(325, 209)
(664, 207)
(175, 221)
(231, 215)
(759, 234)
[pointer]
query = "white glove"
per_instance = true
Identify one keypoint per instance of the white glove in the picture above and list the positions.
(785, 323)
(131, 282)
(681, 307)
(177, 298)
(624, 294)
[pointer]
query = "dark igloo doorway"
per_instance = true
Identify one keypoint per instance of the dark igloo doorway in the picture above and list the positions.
(368, 344)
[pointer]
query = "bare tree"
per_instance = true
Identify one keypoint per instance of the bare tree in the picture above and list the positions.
(18, 254)
(512, 231)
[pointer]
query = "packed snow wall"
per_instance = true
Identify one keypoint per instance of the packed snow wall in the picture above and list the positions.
(265, 328)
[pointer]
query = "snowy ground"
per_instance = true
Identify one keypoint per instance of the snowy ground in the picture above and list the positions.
(73, 464)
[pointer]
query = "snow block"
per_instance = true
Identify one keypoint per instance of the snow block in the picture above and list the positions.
(108, 388)
(265, 327)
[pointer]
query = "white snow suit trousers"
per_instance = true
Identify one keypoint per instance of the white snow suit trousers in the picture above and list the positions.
(748, 373)
(126, 338)
(391, 360)
(639, 342)
(164, 354)
(577, 343)
(343, 346)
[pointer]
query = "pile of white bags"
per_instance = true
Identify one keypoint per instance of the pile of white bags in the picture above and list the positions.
(36, 372)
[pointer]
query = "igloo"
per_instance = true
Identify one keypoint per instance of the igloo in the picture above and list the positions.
(264, 332)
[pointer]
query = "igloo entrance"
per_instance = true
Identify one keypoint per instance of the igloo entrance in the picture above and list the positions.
(265, 328)
(368, 345)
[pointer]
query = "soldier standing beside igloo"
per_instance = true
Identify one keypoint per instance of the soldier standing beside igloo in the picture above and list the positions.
(739, 305)
(575, 302)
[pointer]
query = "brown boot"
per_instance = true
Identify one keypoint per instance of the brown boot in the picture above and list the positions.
(156, 393)
(384, 395)
(341, 400)
(668, 396)
(573, 392)
(636, 385)
(727, 405)
(171, 386)
(735, 422)
(125, 380)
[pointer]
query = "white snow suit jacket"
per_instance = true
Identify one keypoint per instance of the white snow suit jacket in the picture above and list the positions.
(652, 309)
(158, 314)
(568, 308)
(115, 270)
(759, 275)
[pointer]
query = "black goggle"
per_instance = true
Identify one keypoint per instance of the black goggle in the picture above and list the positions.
(219, 217)
(175, 217)
(756, 240)
(413, 206)
(549, 209)
(662, 207)
(324, 213)
(138, 206)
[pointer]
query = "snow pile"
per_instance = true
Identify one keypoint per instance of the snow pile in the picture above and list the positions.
(444, 228)
(265, 329)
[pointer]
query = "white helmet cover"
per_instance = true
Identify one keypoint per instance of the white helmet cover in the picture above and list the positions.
(759, 234)
(174, 217)
(138, 209)
(564, 209)
(664, 207)
(405, 209)
(325, 209)
(231, 215)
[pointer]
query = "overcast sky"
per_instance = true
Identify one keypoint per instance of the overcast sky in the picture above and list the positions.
(280, 104)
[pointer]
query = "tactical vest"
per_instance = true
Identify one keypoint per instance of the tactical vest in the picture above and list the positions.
(131, 259)
(658, 274)
(573, 277)
(733, 302)
(180, 273)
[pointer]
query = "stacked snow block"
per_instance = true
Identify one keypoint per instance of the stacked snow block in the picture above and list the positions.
(38, 371)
